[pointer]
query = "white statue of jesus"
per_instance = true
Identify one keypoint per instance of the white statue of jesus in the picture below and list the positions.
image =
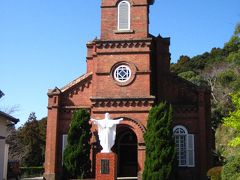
(107, 132)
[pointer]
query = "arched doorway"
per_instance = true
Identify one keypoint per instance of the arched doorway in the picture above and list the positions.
(126, 149)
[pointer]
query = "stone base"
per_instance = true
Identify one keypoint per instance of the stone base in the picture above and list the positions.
(106, 166)
(49, 176)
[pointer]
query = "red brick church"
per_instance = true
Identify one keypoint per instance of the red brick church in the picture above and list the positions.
(127, 73)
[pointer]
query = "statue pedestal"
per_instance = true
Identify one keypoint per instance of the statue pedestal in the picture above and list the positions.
(106, 166)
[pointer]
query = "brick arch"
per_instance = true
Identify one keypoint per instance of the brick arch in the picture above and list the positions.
(136, 126)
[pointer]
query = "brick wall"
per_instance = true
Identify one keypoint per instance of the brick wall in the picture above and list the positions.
(149, 60)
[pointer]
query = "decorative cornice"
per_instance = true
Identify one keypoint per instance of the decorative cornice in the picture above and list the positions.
(185, 109)
(123, 102)
(124, 44)
(108, 45)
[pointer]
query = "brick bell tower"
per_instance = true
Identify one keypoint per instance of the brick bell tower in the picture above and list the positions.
(127, 73)
(120, 59)
(125, 66)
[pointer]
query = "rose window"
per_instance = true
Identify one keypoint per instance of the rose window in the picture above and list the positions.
(122, 73)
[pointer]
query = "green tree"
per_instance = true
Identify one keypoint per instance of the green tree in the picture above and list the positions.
(27, 143)
(192, 77)
(181, 65)
(42, 124)
(32, 140)
(160, 146)
(76, 159)
(17, 150)
(188, 75)
(233, 45)
(232, 120)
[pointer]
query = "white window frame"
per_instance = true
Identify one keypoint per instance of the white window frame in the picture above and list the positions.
(189, 142)
(64, 144)
(190, 150)
(116, 74)
(129, 16)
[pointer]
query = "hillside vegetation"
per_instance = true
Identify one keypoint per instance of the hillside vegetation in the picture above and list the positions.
(218, 69)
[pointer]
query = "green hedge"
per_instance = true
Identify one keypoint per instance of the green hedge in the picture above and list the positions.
(31, 171)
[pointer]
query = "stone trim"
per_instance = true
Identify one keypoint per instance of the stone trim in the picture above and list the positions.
(123, 31)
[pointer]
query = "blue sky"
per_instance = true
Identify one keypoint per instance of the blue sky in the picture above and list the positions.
(42, 42)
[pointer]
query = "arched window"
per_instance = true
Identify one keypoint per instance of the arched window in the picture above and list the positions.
(184, 146)
(124, 15)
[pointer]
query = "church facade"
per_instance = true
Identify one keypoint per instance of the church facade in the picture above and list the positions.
(128, 72)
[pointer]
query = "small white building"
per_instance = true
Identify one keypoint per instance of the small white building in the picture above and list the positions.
(5, 121)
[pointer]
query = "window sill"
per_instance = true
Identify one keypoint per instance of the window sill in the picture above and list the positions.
(185, 166)
(123, 31)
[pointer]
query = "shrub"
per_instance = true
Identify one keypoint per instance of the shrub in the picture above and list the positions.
(76, 160)
(13, 170)
(215, 173)
(231, 170)
(31, 171)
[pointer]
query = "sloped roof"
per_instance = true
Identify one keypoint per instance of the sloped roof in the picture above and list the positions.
(75, 81)
(9, 117)
(188, 83)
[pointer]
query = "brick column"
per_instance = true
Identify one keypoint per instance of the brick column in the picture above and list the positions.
(51, 136)
(203, 133)
(106, 166)
(141, 159)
